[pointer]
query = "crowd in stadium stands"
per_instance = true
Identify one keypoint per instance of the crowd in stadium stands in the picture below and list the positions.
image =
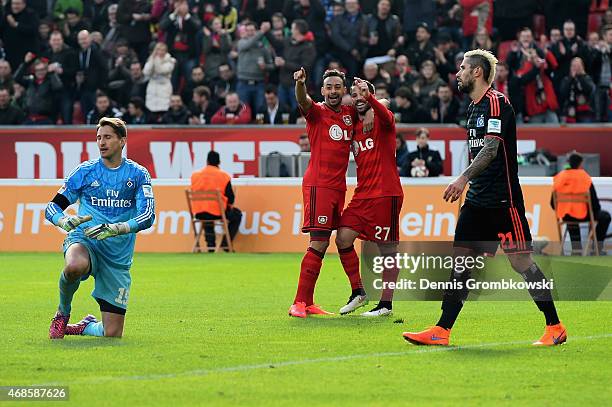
(232, 61)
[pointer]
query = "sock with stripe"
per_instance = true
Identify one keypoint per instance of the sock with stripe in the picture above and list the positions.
(543, 297)
(67, 290)
(309, 273)
(94, 329)
(350, 263)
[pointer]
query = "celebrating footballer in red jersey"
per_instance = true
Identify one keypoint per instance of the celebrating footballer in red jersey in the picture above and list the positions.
(330, 128)
(373, 213)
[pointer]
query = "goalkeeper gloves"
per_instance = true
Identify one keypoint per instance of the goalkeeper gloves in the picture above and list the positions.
(70, 222)
(105, 230)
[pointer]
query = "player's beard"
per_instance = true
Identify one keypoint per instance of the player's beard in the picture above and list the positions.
(466, 87)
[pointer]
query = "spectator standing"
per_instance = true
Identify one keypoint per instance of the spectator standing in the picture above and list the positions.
(291, 54)
(60, 10)
(422, 49)
(254, 61)
(64, 61)
(134, 17)
(92, 72)
(181, 28)
(72, 25)
(96, 11)
(41, 90)
(158, 71)
(345, 37)
(577, 93)
(569, 47)
(216, 44)
(111, 31)
(382, 32)
(424, 162)
(234, 111)
(529, 65)
(10, 115)
(19, 32)
(197, 78)
(477, 14)
(602, 75)
(417, 12)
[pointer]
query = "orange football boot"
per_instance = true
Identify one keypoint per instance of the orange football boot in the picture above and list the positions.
(436, 335)
(553, 335)
(316, 310)
(298, 310)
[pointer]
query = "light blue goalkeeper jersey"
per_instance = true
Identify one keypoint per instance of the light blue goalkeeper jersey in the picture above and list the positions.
(122, 194)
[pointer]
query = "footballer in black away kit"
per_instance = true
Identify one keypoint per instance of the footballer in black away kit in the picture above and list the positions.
(493, 212)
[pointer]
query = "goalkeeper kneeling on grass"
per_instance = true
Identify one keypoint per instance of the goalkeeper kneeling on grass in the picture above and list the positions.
(115, 202)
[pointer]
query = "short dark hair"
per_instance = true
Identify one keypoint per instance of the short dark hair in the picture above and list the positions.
(442, 85)
(197, 67)
(213, 158)
(72, 10)
(138, 102)
(334, 72)
(301, 25)
(270, 88)
(117, 124)
(574, 160)
(404, 92)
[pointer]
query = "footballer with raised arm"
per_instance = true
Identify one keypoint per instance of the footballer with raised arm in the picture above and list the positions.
(115, 202)
(373, 213)
(494, 211)
(329, 126)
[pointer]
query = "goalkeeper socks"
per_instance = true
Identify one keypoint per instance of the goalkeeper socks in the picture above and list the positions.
(542, 297)
(94, 329)
(350, 263)
(309, 273)
(67, 290)
(450, 312)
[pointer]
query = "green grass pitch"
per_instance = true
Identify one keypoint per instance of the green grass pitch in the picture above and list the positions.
(213, 330)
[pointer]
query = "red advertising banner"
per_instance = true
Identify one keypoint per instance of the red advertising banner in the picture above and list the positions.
(176, 152)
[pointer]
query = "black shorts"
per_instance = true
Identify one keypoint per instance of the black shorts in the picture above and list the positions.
(484, 229)
(106, 306)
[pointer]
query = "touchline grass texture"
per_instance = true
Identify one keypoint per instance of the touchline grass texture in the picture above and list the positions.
(213, 330)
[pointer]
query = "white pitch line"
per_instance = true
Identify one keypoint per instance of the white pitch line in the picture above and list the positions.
(242, 368)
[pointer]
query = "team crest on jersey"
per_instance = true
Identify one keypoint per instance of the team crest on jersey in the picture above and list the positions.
(130, 183)
(480, 121)
(322, 220)
(347, 120)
